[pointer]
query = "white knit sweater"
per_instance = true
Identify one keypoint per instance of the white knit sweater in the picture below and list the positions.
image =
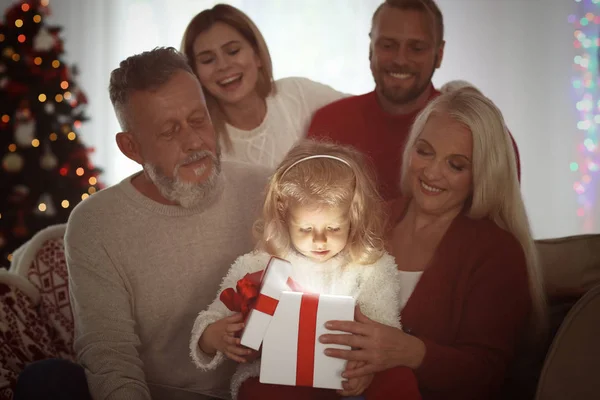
(289, 113)
(375, 288)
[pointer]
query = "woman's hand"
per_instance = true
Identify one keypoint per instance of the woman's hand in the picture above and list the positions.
(355, 386)
(379, 346)
(220, 336)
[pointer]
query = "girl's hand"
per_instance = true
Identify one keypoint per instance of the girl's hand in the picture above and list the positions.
(379, 346)
(355, 386)
(254, 355)
(221, 336)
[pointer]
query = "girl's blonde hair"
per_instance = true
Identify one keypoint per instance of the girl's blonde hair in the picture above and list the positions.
(496, 189)
(324, 182)
(239, 21)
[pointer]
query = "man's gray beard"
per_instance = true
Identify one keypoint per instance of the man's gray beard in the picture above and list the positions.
(186, 194)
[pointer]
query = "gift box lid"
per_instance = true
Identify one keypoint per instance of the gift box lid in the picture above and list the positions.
(274, 281)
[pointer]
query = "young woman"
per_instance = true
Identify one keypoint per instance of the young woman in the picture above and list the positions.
(257, 119)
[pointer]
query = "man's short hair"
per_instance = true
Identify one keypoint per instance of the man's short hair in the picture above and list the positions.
(428, 7)
(145, 71)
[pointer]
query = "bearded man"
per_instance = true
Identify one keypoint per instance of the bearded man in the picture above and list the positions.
(406, 48)
(147, 255)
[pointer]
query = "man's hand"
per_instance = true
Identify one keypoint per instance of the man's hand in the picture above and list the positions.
(220, 336)
(355, 386)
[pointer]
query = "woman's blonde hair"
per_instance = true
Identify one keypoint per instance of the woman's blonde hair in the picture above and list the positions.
(496, 189)
(458, 84)
(239, 21)
(324, 182)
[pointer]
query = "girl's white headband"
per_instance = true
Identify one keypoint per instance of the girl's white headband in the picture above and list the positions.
(313, 157)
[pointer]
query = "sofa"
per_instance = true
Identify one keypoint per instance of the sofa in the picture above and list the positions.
(571, 366)
(36, 319)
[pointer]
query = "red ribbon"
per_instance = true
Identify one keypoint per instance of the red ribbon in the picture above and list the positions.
(248, 296)
(307, 335)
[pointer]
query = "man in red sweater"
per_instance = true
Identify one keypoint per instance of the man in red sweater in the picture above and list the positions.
(407, 46)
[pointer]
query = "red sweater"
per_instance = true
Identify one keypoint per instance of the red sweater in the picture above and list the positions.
(360, 121)
(470, 307)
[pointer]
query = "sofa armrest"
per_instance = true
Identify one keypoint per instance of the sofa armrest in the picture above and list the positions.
(571, 367)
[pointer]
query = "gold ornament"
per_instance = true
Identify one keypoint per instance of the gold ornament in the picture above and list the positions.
(13, 162)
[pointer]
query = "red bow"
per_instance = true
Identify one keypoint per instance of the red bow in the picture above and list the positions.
(247, 292)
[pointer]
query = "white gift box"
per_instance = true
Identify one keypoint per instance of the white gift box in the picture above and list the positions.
(274, 281)
(291, 351)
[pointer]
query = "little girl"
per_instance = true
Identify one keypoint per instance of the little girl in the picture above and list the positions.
(323, 214)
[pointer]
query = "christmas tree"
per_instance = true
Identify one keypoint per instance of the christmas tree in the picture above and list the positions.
(45, 169)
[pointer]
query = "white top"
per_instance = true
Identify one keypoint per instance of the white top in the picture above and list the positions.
(408, 281)
(139, 274)
(288, 117)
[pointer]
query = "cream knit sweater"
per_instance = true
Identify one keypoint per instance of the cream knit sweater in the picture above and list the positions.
(140, 272)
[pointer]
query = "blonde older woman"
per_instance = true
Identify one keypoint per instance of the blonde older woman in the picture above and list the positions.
(462, 242)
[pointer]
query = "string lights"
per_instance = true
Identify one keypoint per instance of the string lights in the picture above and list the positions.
(585, 82)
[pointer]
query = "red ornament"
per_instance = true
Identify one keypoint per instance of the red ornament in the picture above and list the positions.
(81, 96)
(16, 88)
(20, 229)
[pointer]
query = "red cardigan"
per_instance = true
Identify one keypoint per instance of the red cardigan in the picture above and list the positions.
(470, 307)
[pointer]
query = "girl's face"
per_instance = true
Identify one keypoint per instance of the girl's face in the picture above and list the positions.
(226, 64)
(318, 232)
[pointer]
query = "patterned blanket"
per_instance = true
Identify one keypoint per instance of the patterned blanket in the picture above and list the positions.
(36, 320)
